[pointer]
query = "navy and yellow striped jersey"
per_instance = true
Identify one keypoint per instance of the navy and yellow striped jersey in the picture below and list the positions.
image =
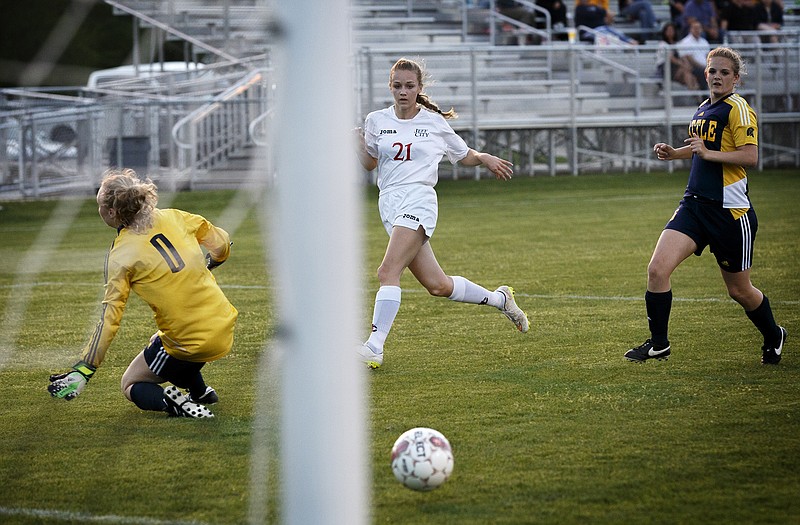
(166, 267)
(725, 125)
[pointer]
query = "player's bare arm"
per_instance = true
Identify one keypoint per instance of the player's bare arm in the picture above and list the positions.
(746, 155)
(368, 162)
(501, 168)
(666, 152)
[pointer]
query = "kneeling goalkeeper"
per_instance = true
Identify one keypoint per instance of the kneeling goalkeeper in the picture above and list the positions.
(157, 254)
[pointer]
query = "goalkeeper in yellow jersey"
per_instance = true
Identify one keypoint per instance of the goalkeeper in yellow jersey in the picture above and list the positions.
(157, 254)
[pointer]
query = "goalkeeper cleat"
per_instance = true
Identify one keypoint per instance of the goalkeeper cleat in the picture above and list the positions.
(512, 311)
(772, 356)
(648, 350)
(370, 357)
(178, 405)
(209, 397)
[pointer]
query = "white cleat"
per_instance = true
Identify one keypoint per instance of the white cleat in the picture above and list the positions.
(178, 405)
(369, 356)
(512, 311)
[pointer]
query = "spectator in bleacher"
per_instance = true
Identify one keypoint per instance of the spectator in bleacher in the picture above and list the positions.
(706, 13)
(738, 15)
(600, 3)
(405, 143)
(676, 14)
(769, 17)
(558, 13)
(595, 17)
(519, 12)
(715, 211)
(681, 68)
(641, 10)
(695, 48)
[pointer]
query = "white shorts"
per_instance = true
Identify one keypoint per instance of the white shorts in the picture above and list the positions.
(409, 206)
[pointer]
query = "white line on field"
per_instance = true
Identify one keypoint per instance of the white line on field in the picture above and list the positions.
(554, 297)
(81, 517)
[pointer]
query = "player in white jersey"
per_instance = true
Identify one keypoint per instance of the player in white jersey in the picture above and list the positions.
(405, 142)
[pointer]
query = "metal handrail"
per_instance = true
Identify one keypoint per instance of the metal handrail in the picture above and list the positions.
(256, 123)
(200, 113)
(495, 15)
(227, 135)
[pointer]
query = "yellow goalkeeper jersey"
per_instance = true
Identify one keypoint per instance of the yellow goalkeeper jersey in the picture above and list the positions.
(166, 267)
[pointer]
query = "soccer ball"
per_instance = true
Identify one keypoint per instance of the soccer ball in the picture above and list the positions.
(422, 459)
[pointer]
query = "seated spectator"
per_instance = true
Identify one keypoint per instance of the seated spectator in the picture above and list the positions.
(519, 12)
(769, 17)
(738, 15)
(681, 69)
(695, 48)
(642, 11)
(557, 10)
(676, 14)
(597, 18)
(599, 3)
(705, 12)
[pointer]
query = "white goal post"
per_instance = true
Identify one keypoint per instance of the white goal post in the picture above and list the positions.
(316, 255)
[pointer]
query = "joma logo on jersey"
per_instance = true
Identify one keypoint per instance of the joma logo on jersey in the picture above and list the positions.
(751, 132)
(420, 132)
(388, 131)
(409, 216)
(705, 129)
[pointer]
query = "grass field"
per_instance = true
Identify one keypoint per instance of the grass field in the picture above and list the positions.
(549, 427)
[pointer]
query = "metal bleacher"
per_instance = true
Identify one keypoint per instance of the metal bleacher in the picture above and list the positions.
(555, 107)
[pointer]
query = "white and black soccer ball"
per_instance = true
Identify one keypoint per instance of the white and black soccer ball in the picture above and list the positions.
(422, 459)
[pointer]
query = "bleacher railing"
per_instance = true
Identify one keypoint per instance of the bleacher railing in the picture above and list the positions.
(212, 133)
(562, 108)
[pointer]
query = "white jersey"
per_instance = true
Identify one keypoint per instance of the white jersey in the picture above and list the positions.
(409, 150)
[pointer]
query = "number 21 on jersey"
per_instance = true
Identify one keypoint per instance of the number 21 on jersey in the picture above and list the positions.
(403, 151)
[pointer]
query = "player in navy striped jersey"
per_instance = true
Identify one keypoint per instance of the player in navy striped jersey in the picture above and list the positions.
(405, 142)
(157, 254)
(715, 210)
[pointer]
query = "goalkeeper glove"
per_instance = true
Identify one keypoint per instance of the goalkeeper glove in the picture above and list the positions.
(211, 263)
(70, 384)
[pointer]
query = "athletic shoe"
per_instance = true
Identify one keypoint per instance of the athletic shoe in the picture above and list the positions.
(647, 350)
(772, 356)
(178, 405)
(209, 397)
(512, 311)
(369, 356)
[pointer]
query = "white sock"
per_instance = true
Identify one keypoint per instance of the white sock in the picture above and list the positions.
(465, 291)
(387, 304)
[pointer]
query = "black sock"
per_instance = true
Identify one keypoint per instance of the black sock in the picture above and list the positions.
(148, 396)
(765, 322)
(197, 386)
(659, 305)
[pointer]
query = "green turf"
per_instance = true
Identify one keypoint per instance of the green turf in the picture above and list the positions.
(549, 427)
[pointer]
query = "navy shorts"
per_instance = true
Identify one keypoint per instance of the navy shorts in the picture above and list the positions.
(169, 368)
(709, 224)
